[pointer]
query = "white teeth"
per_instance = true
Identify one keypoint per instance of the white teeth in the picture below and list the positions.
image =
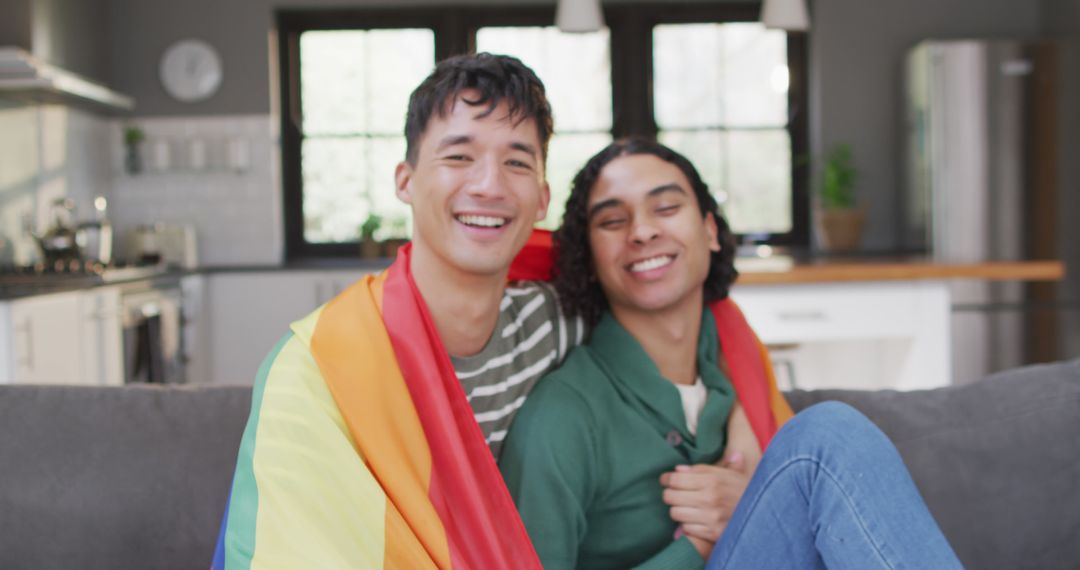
(482, 221)
(652, 263)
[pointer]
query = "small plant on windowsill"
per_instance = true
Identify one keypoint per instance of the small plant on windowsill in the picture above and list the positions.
(838, 217)
(369, 246)
(396, 235)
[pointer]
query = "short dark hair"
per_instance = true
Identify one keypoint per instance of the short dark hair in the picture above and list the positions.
(575, 274)
(498, 78)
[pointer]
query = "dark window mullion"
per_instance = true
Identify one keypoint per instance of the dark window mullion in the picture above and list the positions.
(798, 85)
(291, 139)
(631, 85)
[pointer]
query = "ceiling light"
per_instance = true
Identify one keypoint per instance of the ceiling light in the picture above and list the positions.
(790, 15)
(579, 16)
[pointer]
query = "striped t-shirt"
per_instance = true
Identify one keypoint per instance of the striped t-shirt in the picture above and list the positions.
(531, 338)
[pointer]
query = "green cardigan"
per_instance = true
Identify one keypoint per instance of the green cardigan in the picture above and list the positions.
(584, 456)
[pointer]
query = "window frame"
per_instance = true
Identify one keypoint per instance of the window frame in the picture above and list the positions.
(455, 29)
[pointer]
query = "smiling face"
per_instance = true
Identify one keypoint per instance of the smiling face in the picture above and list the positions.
(476, 188)
(649, 241)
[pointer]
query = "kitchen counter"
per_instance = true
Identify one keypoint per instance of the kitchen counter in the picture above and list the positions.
(29, 285)
(766, 271)
(866, 323)
(752, 271)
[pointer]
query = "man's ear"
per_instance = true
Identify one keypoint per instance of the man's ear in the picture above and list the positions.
(713, 231)
(403, 182)
(545, 201)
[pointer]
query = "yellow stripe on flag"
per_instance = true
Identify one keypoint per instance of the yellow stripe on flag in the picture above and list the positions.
(314, 489)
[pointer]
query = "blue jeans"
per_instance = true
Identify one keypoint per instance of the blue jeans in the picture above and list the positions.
(832, 492)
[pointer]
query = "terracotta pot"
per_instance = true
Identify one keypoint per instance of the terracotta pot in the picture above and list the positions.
(370, 248)
(840, 229)
(391, 246)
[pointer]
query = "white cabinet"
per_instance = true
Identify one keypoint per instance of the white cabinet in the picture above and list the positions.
(865, 335)
(861, 335)
(44, 340)
(195, 328)
(248, 312)
(101, 337)
(62, 338)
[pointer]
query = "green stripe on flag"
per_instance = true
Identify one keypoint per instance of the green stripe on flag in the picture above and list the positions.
(244, 503)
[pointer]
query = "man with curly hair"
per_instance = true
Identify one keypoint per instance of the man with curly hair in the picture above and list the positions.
(617, 456)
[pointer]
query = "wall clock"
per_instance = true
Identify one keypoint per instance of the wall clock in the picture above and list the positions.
(191, 70)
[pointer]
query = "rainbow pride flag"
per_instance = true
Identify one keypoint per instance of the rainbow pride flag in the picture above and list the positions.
(361, 450)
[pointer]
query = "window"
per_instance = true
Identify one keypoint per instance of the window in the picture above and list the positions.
(353, 98)
(729, 118)
(576, 71)
(346, 77)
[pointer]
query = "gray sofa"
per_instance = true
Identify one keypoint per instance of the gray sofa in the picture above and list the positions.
(137, 477)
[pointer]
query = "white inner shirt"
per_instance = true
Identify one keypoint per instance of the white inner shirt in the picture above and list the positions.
(693, 401)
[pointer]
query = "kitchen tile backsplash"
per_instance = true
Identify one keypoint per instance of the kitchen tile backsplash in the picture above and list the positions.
(217, 173)
(47, 152)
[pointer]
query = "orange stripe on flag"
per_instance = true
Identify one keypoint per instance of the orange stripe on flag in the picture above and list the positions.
(350, 336)
(781, 410)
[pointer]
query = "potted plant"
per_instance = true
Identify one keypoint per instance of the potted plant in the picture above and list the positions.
(133, 138)
(839, 219)
(397, 231)
(369, 246)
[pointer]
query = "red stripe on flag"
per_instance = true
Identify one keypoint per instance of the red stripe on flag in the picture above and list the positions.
(748, 375)
(483, 527)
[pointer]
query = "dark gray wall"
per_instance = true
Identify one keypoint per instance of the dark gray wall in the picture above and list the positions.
(239, 29)
(856, 50)
(1062, 19)
(73, 34)
(15, 23)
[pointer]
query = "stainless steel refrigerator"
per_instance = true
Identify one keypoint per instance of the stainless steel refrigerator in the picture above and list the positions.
(983, 163)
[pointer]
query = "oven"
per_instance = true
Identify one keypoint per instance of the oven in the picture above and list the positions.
(152, 324)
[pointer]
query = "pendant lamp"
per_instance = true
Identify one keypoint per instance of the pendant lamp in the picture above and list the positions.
(790, 15)
(579, 16)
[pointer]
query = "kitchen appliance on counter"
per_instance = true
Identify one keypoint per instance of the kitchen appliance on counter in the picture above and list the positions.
(57, 244)
(66, 241)
(983, 155)
(169, 244)
(95, 238)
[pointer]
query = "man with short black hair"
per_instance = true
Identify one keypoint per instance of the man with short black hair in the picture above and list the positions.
(363, 447)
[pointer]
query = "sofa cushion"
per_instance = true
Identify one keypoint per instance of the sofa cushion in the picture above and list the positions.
(132, 477)
(997, 461)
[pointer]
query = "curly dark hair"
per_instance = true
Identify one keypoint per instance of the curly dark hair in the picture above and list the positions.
(575, 275)
(498, 78)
